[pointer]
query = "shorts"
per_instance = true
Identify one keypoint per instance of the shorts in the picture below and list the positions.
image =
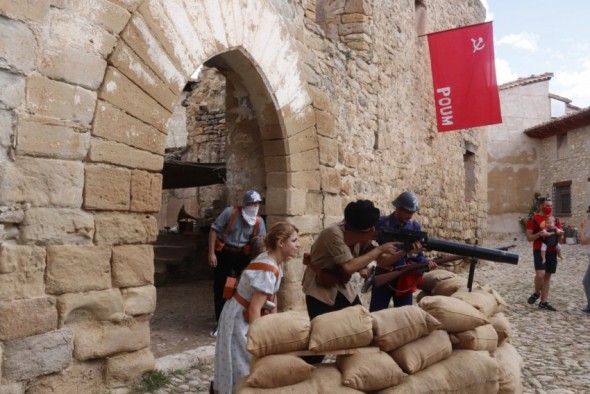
(550, 264)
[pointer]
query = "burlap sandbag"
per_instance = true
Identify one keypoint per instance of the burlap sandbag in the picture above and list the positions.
(423, 352)
(502, 327)
(480, 300)
(278, 370)
(480, 338)
(279, 333)
(463, 372)
(421, 294)
(431, 278)
(394, 327)
(502, 305)
(369, 371)
(344, 329)
(510, 364)
(449, 286)
(455, 315)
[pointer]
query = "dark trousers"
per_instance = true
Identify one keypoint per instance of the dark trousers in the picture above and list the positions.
(316, 308)
(228, 264)
(380, 297)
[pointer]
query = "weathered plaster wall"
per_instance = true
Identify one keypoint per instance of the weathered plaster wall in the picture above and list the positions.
(88, 89)
(514, 158)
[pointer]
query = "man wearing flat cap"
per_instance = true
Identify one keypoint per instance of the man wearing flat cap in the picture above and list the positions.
(338, 252)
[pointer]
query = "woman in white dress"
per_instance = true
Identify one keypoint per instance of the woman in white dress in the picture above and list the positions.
(257, 284)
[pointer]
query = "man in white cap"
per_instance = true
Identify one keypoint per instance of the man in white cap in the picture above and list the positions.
(229, 243)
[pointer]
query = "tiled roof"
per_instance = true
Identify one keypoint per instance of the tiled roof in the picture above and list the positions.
(526, 81)
(560, 125)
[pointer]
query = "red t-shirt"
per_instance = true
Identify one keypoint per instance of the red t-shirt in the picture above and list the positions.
(538, 223)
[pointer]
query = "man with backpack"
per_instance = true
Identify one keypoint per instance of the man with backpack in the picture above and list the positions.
(230, 243)
(536, 231)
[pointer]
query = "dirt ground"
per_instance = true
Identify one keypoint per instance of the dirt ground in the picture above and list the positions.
(184, 317)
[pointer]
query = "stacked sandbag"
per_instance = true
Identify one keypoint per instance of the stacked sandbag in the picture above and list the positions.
(453, 341)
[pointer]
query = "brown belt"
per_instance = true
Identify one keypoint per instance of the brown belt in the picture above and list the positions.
(241, 300)
(233, 249)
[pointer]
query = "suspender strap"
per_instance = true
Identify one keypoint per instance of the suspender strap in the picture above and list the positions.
(232, 219)
(256, 267)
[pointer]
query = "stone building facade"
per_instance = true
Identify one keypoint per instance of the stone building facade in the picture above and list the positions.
(327, 102)
(516, 162)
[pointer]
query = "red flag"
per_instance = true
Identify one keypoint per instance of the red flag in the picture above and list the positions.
(464, 77)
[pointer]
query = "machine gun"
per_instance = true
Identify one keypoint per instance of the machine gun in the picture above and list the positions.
(408, 237)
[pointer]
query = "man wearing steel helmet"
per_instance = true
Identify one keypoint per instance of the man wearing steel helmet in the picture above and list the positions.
(229, 243)
(401, 289)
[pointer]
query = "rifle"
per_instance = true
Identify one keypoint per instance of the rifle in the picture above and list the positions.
(381, 279)
(473, 251)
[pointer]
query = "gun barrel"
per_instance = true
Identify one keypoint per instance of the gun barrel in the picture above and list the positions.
(467, 250)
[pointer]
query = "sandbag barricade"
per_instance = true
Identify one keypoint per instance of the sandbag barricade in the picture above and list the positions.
(453, 343)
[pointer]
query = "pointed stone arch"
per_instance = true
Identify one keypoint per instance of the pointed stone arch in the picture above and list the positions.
(163, 44)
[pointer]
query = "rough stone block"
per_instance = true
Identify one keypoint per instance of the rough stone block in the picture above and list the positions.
(164, 30)
(118, 90)
(300, 142)
(330, 179)
(24, 318)
(146, 191)
(358, 45)
(59, 100)
(133, 67)
(42, 182)
(139, 300)
(293, 199)
(291, 296)
(37, 355)
(354, 18)
(114, 153)
(107, 188)
(35, 138)
(353, 28)
(313, 203)
(80, 377)
(141, 40)
(96, 305)
(17, 43)
(6, 134)
(129, 367)
(1, 365)
(105, 13)
(116, 125)
(101, 339)
(32, 10)
(133, 265)
(130, 5)
(326, 124)
(13, 388)
(22, 269)
(334, 205)
(12, 90)
(308, 180)
(122, 228)
(358, 7)
(50, 226)
(320, 99)
(304, 161)
(307, 224)
(328, 151)
(72, 269)
(69, 64)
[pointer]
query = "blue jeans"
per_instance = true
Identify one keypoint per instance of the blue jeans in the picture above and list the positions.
(586, 283)
(380, 297)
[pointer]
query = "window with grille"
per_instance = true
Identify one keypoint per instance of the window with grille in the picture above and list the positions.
(562, 198)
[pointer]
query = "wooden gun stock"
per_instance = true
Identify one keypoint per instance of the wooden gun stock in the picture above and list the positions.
(380, 280)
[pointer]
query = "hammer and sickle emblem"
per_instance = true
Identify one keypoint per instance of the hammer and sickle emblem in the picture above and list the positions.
(478, 44)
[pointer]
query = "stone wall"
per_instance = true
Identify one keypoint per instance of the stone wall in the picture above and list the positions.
(571, 165)
(87, 90)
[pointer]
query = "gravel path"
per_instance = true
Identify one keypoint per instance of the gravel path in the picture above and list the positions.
(555, 346)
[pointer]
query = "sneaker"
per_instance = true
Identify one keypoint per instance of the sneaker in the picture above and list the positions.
(214, 332)
(548, 306)
(533, 298)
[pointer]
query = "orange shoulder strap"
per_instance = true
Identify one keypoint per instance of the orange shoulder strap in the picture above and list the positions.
(232, 219)
(263, 267)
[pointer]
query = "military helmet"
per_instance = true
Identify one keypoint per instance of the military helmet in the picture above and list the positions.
(408, 201)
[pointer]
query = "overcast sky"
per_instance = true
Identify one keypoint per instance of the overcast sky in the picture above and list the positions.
(533, 37)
